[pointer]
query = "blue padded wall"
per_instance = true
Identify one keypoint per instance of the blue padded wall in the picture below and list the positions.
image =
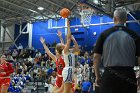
(41, 29)
(97, 28)
(134, 26)
(84, 36)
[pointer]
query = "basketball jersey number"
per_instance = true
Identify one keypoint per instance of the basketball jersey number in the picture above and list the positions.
(60, 67)
(70, 59)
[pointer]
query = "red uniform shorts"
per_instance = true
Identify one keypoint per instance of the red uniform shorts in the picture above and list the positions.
(59, 81)
(4, 82)
(73, 86)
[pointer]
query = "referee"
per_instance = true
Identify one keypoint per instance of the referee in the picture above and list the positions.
(118, 48)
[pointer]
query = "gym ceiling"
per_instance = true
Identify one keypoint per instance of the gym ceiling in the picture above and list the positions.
(16, 11)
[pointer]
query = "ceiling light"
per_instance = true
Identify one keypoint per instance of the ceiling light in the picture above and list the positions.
(40, 8)
(32, 11)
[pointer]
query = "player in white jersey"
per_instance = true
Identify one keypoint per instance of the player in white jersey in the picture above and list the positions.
(69, 59)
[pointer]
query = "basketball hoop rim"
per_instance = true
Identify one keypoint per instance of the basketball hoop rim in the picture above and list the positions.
(88, 9)
(82, 4)
(86, 13)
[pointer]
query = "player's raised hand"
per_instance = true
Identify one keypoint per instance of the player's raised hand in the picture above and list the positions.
(42, 40)
(59, 33)
(72, 37)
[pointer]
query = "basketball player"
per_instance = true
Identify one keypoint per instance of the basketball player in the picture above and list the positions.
(73, 83)
(59, 65)
(60, 36)
(69, 59)
(5, 70)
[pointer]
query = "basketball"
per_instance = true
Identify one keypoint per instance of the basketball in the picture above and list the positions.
(64, 12)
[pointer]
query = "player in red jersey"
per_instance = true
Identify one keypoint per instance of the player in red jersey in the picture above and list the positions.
(59, 64)
(5, 70)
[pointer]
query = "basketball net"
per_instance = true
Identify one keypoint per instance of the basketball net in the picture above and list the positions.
(86, 14)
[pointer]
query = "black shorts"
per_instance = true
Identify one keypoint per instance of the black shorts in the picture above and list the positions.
(46, 89)
(85, 92)
(118, 80)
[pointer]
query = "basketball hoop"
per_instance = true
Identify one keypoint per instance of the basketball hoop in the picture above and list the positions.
(86, 14)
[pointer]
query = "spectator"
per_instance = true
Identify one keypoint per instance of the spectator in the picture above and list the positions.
(54, 44)
(14, 54)
(50, 70)
(86, 86)
(46, 86)
(20, 47)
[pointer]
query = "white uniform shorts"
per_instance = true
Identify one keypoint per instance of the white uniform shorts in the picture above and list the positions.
(67, 74)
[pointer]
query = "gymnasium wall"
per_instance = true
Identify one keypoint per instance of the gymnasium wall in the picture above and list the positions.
(134, 26)
(9, 30)
(22, 38)
(84, 36)
(50, 34)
